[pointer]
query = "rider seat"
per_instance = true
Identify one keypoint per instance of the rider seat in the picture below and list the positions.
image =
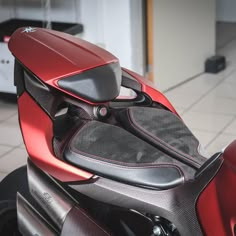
(151, 148)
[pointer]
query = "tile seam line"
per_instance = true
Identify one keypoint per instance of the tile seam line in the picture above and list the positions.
(7, 145)
(6, 119)
(9, 151)
(207, 93)
(3, 173)
(221, 131)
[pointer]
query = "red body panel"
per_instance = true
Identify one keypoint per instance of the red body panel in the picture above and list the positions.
(52, 55)
(216, 205)
(148, 88)
(37, 132)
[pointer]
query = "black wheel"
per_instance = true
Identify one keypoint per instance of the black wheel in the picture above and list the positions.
(15, 182)
(8, 219)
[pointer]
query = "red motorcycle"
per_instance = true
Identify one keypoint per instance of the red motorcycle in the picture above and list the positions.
(100, 164)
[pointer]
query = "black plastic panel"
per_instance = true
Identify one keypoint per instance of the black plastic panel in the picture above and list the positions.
(19, 78)
(47, 98)
(100, 84)
(129, 82)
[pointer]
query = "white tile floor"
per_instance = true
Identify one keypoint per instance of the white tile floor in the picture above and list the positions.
(206, 103)
(12, 153)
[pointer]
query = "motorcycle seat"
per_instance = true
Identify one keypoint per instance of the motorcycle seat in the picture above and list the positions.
(164, 130)
(114, 153)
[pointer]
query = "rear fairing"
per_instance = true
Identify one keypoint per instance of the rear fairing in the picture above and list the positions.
(216, 206)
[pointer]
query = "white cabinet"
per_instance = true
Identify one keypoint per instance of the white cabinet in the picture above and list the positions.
(7, 60)
(64, 18)
(6, 70)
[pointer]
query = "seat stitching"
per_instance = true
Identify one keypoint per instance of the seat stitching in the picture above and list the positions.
(164, 144)
(76, 150)
(104, 161)
(182, 175)
(136, 125)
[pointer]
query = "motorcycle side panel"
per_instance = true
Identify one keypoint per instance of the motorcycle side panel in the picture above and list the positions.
(217, 204)
(37, 130)
(178, 204)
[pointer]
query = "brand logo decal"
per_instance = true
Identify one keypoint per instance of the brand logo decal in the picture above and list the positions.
(29, 30)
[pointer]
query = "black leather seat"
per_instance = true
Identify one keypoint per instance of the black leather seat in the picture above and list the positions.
(112, 152)
(165, 131)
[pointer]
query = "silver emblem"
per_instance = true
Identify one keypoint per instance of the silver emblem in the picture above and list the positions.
(29, 30)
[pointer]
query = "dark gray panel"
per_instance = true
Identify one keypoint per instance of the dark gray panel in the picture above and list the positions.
(100, 84)
(178, 205)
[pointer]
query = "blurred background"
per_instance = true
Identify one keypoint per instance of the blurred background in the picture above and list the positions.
(169, 42)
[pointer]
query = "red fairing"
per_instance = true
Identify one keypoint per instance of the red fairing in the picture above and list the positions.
(52, 55)
(37, 132)
(216, 205)
(148, 88)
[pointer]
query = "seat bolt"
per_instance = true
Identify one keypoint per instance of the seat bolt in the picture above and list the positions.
(157, 230)
(103, 111)
(100, 112)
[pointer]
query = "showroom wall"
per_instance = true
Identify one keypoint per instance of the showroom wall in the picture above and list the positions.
(184, 36)
(106, 23)
(226, 10)
(184, 31)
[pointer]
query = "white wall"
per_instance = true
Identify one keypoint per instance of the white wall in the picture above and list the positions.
(226, 10)
(107, 23)
(184, 36)
(28, 9)
(116, 26)
(6, 11)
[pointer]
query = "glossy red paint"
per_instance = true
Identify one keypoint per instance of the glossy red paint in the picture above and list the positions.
(148, 88)
(216, 206)
(53, 55)
(37, 131)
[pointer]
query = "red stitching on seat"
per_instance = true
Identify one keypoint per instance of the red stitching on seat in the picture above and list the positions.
(123, 165)
(99, 160)
(163, 144)
(118, 164)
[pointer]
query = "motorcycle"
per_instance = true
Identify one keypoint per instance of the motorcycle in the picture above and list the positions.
(101, 164)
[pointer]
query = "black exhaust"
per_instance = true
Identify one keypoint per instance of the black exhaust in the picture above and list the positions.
(30, 222)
